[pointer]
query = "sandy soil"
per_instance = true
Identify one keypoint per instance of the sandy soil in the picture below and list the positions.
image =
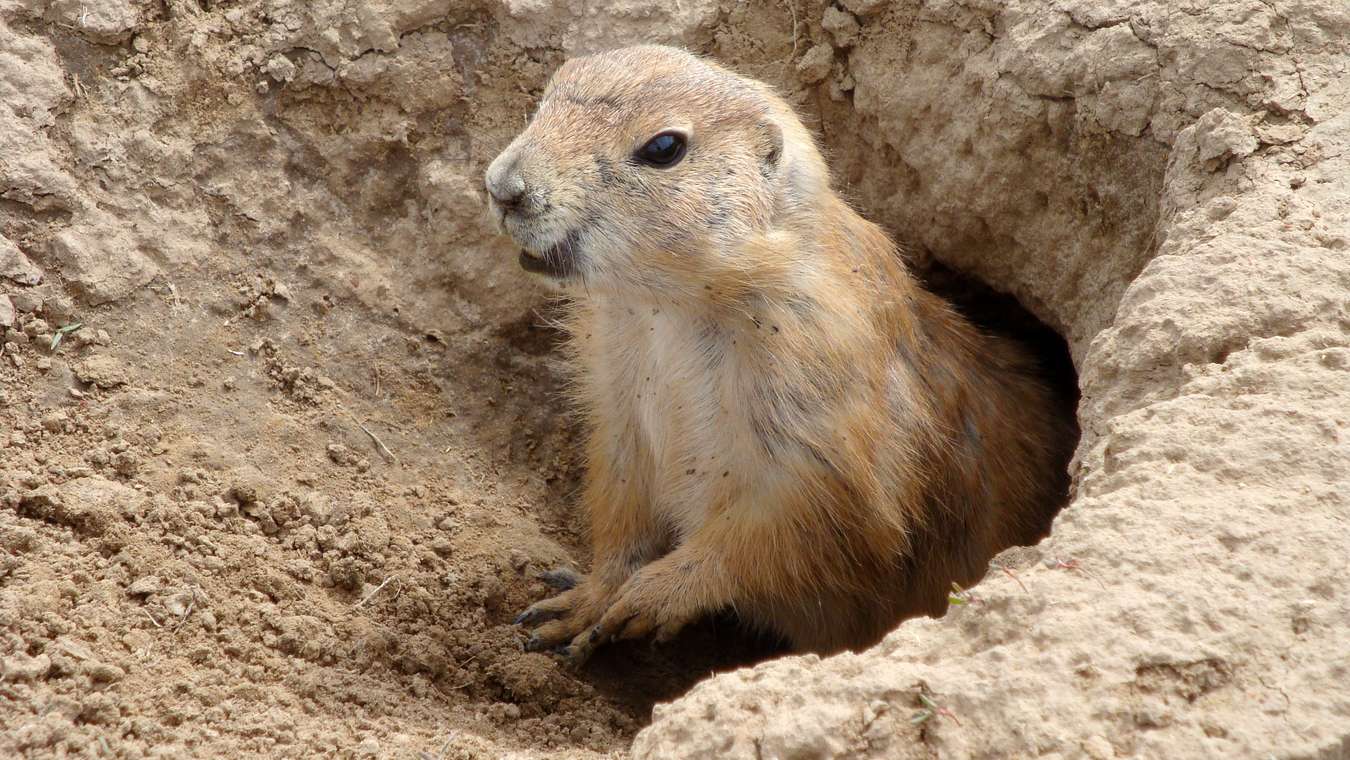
(282, 490)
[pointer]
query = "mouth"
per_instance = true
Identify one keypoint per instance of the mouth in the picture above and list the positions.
(558, 262)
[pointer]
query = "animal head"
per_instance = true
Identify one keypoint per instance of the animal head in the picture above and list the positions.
(647, 168)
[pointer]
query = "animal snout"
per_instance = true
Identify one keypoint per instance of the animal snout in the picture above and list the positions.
(506, 183)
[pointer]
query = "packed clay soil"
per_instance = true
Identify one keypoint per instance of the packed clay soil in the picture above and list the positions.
(283, 449)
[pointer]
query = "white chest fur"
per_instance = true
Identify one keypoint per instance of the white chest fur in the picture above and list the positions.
(675, 378)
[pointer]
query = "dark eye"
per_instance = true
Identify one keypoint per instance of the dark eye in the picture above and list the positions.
(666, 149)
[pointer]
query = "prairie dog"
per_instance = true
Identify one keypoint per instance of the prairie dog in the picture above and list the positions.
(780, 419)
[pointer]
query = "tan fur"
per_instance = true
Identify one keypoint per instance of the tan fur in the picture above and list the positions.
(781, 420)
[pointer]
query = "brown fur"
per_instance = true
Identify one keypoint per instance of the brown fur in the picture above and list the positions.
(781, 420)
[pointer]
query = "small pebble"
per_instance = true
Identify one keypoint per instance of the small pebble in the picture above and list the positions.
(841, 25)
(27, 302)
(144, 586)
(21, 667)
(59, 308)
(815, 65)
(103, 672)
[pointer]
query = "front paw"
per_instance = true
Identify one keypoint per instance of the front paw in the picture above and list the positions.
(559, 619)
(645, 606)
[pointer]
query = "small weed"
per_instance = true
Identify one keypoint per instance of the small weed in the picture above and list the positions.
(962, 596)
(930, 710)
(62, 332)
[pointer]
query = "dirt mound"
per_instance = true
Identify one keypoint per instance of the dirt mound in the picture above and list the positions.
(281, 451)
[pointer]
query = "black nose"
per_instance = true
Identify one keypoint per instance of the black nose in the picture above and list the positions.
(506, 186)
(509, 197)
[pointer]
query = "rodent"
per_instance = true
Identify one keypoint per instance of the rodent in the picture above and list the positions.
(780, 419)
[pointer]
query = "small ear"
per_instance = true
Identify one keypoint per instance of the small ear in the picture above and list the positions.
(771, 147)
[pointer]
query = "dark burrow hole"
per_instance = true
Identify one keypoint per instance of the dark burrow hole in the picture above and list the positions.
(636, 675)
(999, 313)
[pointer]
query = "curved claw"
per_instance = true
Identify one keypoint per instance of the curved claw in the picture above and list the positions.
(582, 647)
(608, 630)
(575, 656)
(534, 615)
(537, 643)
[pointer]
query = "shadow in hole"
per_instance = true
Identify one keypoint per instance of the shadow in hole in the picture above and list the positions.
(636, 675)
(998, 313)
